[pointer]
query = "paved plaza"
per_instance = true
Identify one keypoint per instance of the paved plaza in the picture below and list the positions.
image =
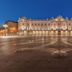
(36, 54)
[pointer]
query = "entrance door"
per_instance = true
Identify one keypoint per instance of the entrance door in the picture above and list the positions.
(59, 32)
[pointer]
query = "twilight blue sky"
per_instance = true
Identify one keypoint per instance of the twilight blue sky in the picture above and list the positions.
(36, 9)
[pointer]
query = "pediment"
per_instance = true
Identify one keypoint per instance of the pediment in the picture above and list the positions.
(59, 18)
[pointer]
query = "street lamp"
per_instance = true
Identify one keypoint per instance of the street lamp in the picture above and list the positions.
(5, 26)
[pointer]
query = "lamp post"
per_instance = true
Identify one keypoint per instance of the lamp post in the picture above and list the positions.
(5, 26)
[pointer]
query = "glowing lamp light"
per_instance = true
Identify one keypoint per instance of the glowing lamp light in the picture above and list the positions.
(5, 26)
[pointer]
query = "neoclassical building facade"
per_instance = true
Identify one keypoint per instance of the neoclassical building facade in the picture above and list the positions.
(53, 26)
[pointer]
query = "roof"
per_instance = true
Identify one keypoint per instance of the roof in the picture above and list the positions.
(11, 21)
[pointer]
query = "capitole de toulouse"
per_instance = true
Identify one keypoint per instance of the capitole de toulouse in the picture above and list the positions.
(50, 27)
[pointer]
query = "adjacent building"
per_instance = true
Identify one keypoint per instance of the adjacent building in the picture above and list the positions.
(12, 27)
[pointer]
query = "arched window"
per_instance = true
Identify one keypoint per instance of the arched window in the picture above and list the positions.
(35, 24)
(41, 24)
(45, 24)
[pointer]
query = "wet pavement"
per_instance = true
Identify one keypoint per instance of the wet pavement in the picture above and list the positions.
(34, 54)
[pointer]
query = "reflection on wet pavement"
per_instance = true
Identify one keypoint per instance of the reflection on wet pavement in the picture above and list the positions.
(21, 54)
(9, 46)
